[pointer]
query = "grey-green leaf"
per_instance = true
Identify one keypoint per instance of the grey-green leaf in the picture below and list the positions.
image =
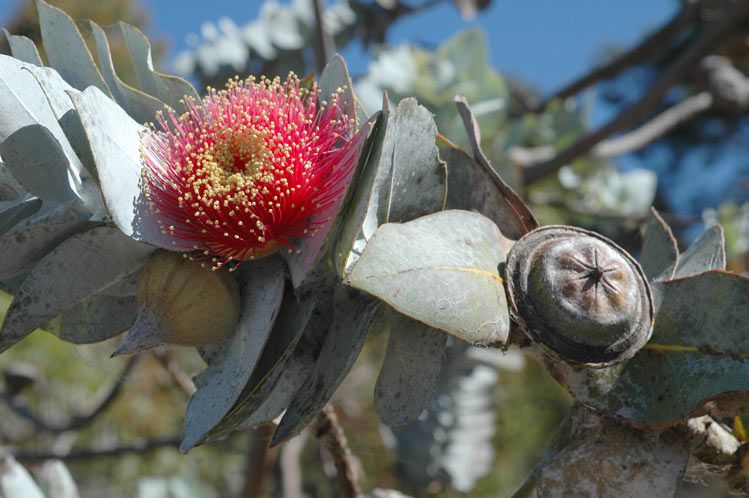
(168, 89)
(23, 101)
(57, 92)
(37, 162)
(15, 214)
(10, 190)
(418, 177)
(410, 372)
(475, 185)
(698, 351)
(292, 319)
(440, 269)
(295, 371)
(221, 384)
(360, 220)
(140, 106)
(660, 253)
(80, 267)
(66, 49)
(706, 253)
(115, 143)
(98, 318)
(352, 316)
(333, 77)
(403, 178)
(21, 249)
(26, 103)
(309, 251)
(23, 49)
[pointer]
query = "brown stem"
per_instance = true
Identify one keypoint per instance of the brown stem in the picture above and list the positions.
(257, 461)
(329, 428)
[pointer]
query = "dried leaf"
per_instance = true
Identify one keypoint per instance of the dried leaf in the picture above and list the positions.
(480, 188)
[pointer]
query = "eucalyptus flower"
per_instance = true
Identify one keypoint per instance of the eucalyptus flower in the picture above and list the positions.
(250, 168)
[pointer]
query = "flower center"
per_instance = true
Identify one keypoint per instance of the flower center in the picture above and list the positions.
(242, 152)
(233, 165)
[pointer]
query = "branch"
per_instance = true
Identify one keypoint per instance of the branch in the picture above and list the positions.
(328, 427)
(324, 45)
(675, 72)
(257, 461)
(630, 142)
(645, 49)
(180, 377)
(138, 447)
(77, 421)
(656, 127)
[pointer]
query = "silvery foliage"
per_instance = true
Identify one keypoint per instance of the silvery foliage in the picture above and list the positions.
(283, 35)
(461, 65)
(451, 442)
(59, 248)
(71, 144)
(53, 480)
(279, 37)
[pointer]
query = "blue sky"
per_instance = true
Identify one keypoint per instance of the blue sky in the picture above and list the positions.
(545, 42)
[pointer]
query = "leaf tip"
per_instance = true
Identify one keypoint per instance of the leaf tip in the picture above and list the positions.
(146, 333)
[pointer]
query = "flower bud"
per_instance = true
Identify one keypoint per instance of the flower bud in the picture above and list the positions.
(181, 302)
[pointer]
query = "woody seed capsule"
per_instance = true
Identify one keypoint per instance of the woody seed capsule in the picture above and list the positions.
(579, 295)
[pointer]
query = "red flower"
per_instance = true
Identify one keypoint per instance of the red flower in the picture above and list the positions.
(246, 171)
